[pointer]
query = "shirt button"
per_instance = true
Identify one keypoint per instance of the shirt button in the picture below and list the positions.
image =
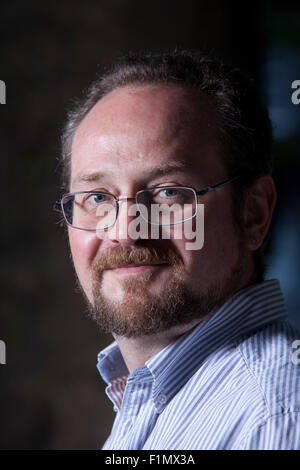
(162, 399)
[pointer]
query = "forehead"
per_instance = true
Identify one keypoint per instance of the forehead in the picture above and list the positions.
(139, 127)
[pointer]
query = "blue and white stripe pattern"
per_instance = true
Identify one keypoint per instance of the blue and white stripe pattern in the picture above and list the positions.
(229, 383)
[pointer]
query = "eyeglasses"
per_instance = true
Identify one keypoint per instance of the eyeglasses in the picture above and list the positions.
(161, 205)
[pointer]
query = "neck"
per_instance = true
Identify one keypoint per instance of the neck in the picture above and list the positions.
(137, 351)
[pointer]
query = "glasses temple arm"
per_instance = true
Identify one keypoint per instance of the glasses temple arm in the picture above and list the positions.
(212, 188)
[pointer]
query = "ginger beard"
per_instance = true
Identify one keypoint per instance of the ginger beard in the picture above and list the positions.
(140, 312)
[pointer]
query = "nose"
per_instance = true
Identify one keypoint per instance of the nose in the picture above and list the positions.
(124, 231)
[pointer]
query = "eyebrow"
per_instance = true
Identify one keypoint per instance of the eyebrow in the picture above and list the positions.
(158, 170)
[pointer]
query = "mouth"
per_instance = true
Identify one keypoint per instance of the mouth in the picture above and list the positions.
(136, 268)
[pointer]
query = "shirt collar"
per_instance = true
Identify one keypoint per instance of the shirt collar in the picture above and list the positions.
(111, 364)
(248, 310)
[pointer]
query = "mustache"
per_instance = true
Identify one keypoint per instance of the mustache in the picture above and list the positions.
(122, 256)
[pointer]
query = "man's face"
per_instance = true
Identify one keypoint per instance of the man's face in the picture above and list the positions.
(141, 137)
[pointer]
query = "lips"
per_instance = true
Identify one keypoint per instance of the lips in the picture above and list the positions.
(135, 265)
(135, 268)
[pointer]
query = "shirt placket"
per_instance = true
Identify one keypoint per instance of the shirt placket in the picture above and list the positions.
(137, 392)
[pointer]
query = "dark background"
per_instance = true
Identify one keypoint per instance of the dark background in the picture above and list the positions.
(51, 395)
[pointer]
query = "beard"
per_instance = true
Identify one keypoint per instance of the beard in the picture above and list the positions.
(139, 312)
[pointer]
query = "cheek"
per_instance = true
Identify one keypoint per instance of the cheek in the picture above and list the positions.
(84, 246)
(189, 237)
(181, 244)
(220, 248)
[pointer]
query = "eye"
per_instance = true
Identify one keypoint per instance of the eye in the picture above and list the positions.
(168, 192)
(93, 200)
(168, 195)
(172, 195)
(97, 198)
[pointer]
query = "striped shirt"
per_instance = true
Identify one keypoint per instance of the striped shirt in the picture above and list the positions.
(232, 382)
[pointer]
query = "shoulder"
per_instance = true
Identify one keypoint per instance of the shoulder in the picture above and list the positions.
(269, 356)
(280, 431)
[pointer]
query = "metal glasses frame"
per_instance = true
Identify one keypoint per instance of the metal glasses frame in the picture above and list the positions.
(60, 203)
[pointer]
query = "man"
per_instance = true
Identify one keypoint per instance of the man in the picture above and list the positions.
(202, 357)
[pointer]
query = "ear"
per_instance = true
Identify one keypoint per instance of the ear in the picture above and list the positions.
(260, 201)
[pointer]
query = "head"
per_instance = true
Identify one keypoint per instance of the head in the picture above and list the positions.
(201, 123)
